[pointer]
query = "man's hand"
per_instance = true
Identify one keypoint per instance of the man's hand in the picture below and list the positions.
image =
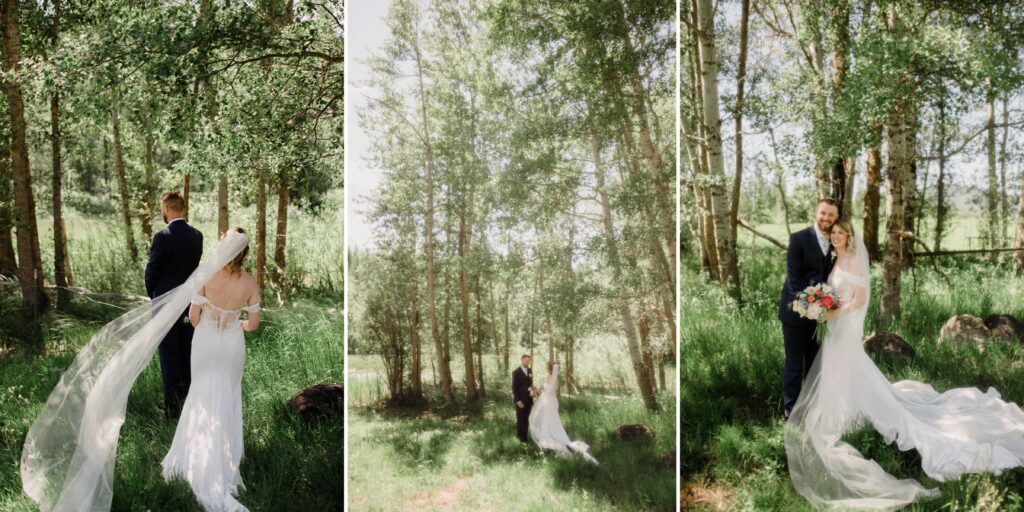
(520, 405)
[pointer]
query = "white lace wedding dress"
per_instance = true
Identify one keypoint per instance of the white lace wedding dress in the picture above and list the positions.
(207, 446)
(546, 428)
(67, 461)
(960, 431)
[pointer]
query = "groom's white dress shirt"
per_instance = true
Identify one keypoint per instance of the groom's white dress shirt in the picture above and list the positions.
(823, 240)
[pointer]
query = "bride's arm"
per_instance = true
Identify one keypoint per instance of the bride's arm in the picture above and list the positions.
(252, 321)
(195, 310)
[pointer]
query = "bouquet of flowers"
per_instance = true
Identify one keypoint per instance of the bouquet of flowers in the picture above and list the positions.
(815, 301)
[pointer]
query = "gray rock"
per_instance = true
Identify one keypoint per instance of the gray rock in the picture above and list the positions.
(966, 328)
(889, 345)
(1005, 326)
(319, 401)
(634, 431)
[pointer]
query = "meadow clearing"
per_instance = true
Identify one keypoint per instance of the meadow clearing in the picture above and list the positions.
(435, 459)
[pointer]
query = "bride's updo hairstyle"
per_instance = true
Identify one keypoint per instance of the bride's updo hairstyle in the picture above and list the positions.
(847, 228)
(235, 267)
(551, 367)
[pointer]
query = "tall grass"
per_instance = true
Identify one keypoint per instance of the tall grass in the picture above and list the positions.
(731, 380)
(100, 260)
(288, 465)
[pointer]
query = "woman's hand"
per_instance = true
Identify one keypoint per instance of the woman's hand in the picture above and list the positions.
(831, 315)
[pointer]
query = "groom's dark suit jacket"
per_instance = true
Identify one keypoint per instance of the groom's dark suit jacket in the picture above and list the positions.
(805, 265)
(521, 387)
(175, 254)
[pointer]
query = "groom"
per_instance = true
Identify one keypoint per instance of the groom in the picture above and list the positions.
(808, 261)
(173, 256)
(523, 393)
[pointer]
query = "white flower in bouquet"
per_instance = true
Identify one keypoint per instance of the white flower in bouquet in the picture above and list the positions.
(814, 310)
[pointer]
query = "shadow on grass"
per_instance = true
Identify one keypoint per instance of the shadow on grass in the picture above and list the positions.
(293, 465)
(631, 474)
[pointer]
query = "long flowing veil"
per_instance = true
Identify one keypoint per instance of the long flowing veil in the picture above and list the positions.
(67, 462)
(847, 392)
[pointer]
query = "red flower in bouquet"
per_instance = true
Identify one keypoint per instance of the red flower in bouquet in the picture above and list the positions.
(827, 302)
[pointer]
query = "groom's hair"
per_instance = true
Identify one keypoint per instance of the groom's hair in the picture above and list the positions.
(524, 356)
(829, 200)
(173, 201)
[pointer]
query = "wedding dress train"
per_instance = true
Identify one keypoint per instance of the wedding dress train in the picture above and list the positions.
(960, 431)
(67, 462)
(207, 446)
(546, 428)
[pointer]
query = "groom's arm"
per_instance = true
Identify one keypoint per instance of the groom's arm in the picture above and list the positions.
(794, 255)
(154, 265)
(516, 391)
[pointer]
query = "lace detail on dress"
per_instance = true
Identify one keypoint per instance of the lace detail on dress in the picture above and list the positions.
(224, 318)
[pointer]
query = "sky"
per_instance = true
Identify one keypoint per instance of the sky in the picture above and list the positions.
(366, 34)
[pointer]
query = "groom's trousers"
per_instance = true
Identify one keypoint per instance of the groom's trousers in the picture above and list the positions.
(801, 349)
(176, 366)
(523, 422)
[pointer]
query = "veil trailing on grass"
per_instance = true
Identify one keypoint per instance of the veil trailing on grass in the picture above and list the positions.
(68, 459)
(960, 431)
(546, 428)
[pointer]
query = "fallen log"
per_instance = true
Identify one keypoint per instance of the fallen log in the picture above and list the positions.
(743, 222)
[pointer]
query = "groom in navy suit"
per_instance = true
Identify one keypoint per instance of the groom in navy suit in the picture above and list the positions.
(808, 262)
(173, 256)
(523, 393)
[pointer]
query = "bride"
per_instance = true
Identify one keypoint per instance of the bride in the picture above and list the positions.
(68, 459)
(546, 425)
(956, 432)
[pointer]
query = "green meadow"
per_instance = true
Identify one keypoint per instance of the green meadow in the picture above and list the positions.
(424, 458)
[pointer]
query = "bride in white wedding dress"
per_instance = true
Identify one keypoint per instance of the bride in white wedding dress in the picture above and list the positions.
(960, 431)
(207, 446)
(68, 457)
(546, 428)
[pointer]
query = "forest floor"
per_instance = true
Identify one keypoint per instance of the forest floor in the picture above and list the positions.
(288, 464)
(732, 453)
(431, 459)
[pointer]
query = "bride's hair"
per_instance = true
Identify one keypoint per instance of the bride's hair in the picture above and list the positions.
(551, 366)
(847, 227)
(235, 267)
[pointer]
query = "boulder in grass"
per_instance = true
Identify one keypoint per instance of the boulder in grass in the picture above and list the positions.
(1006, 327)
(889, 345)
(637, 431)
(319, 401)
(966, 328)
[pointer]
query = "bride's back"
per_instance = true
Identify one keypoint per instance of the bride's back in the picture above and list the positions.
(227, 290)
